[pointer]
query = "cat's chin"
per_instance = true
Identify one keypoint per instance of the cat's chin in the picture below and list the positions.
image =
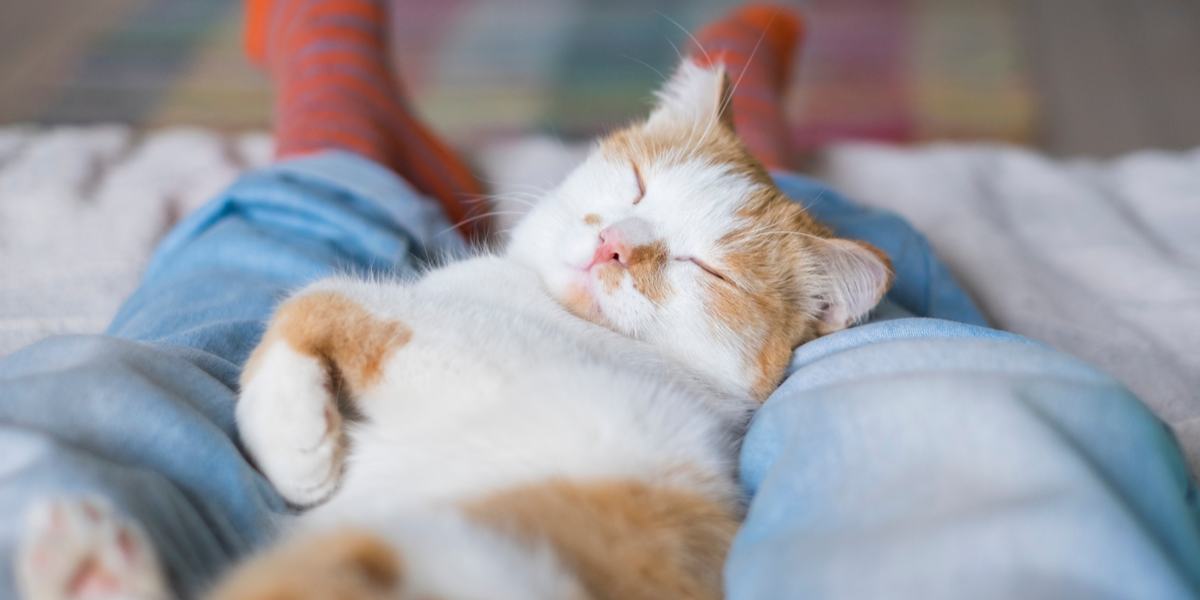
(578, 298)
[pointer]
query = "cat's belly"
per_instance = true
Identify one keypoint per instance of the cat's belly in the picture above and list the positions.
(498, 387)
(435, 436)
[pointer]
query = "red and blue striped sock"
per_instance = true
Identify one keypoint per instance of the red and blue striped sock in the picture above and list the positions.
(334, 89)
(757, 43)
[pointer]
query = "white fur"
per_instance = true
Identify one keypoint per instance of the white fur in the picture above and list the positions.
(695, 96)
(283, 417)
(500, 386)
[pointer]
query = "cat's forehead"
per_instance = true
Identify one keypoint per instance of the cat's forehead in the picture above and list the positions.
(676, 161)
(700, 183)
(668, 145)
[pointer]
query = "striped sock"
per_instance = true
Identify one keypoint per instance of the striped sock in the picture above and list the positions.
(334, 89)
(761, 75)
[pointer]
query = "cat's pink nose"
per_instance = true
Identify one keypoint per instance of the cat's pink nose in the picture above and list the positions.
(612, 247)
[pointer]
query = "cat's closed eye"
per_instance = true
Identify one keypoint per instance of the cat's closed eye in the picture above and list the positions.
(707, 268)
(641, 183)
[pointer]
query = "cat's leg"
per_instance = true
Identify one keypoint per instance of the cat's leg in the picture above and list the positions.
(322, 346)
(436, 554)
(347, 564)
(82, 550)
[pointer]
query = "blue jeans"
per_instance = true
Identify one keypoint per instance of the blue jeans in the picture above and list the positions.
(921, 454)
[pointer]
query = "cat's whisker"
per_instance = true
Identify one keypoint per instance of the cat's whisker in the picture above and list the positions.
(646, 64)
(816, 200)
(699, 46)
(750, 59)
(678, 54)
(533, 204)
(469, 220)
(755, 236)
(496, 183)
(515, 199)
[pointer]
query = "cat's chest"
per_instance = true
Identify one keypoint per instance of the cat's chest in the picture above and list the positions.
(463, 349)
(483, 336)
(478, 399)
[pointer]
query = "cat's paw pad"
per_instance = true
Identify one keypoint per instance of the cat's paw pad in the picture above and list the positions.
(288, 419)
(82, 550)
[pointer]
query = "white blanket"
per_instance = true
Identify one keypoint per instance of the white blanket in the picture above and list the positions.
(1100, 259)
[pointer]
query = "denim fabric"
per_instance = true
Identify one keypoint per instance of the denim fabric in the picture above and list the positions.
(921, 458)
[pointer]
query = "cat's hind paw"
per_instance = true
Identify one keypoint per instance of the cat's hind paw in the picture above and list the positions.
(80, 549)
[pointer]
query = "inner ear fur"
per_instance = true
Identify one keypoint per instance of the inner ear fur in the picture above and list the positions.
(695, 95)
(725, 99)
(854, 277)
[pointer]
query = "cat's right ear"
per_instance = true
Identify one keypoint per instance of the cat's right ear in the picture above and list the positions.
(853, 278)
(696, 97)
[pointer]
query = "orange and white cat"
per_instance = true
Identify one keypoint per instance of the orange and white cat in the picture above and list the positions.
(559, 420)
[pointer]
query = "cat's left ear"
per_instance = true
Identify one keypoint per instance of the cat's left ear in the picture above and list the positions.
(695, 97)
(853, 278)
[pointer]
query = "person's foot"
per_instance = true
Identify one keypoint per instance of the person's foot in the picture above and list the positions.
(757, 44)
(334, 89)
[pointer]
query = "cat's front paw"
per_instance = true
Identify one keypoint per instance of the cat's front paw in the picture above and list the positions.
(82, 550)
(288, 419)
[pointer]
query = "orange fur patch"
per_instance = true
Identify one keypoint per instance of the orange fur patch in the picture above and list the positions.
(623, 540)
(346, 564)
(610, 276)
(591, 219)
(579, 303)
(354, 342)
(771, 306)
(647, 266)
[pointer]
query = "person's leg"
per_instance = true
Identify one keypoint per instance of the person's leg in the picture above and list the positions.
(335, 88)
(340, 196)
(143, 416)
(757, 44)
(917, 457)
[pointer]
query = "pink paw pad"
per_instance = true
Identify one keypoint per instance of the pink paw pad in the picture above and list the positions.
(83, 550)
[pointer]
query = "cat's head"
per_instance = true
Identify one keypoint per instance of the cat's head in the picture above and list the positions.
(670, 232)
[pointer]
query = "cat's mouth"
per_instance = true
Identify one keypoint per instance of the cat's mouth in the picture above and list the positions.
(588, 283)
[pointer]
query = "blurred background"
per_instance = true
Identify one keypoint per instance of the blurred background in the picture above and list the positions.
(1094, 77)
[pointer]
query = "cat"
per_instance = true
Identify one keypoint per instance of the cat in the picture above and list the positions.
(560, 419)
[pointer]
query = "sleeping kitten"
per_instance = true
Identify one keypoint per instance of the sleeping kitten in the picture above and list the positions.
(557, 421)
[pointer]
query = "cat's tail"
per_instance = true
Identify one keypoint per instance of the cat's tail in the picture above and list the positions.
(439, 555)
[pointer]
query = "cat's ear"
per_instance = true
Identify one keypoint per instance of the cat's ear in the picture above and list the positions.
(695, 97)
(854, 276)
